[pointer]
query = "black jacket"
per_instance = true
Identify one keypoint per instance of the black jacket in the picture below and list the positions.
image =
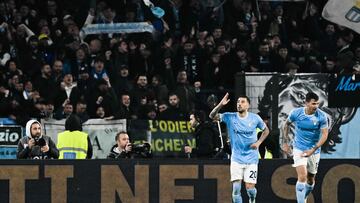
(116, 154)
(206, 137)
(24, 152)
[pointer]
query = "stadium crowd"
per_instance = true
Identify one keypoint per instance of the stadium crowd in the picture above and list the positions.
(50, 69)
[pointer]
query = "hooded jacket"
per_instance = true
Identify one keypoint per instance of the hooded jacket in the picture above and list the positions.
(24, 151)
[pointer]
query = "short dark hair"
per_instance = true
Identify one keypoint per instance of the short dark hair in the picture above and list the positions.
(311, 95)
(246, 97)
(118, 134)
(200, 116)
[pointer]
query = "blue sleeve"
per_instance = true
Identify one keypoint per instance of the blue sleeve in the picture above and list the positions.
(292, 115)
(260, 123)
(323, 122)
(224, 117)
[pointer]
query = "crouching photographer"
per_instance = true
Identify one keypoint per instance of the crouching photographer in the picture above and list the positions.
(35, 145)
(124, 149)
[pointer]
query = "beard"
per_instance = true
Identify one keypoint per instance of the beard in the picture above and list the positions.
(36, 135)
(241, 110)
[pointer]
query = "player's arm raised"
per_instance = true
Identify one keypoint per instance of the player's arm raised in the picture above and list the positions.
(214, 114)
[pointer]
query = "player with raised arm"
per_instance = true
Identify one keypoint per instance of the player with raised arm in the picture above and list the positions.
(244, 144)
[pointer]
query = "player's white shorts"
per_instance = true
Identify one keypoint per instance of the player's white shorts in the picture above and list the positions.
(311, 162)
(246, 172)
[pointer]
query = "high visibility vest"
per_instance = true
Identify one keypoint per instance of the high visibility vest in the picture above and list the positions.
(268, 155)
(72, 145)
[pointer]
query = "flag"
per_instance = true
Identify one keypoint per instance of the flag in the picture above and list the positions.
(118, 28)
(345, 13)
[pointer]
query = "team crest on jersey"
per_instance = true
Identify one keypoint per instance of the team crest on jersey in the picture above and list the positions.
(314, 120)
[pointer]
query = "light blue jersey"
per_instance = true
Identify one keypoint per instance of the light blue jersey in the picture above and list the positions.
(242, 133)
(307, 127)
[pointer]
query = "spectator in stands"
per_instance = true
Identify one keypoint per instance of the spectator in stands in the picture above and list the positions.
(120, 55)
(125, 110)
(81, 111)
(45, 84)
(64, 111)
(279, 23)
(343, 43)
(330, 65)
(32, 60)
(205, 135)
(160, 90)
(104, 95)
(241, 60)
(162, 106)
(13, 109)
(85, 83)
(35, 145)
(121, 80)
(188, 59)
(263, 59)
(345, 62)
(140, 91)
(99, 72)
(185, 91)
(141, 60)
(12, 69)
(173, 112)
(100, 113)
(67, 90)
(147, 112)
(281, 58)
(357, 54)
(211, 74)
(49, 110)
(327, 45)
(57, 72)
(80, 63)
(291, 68)
(73, 143)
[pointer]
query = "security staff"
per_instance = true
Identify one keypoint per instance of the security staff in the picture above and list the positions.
(73, 143)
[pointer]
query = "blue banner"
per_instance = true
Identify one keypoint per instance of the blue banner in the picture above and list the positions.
(8, 152)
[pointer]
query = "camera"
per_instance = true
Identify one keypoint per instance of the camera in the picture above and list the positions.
(140, 148)
(40, 142)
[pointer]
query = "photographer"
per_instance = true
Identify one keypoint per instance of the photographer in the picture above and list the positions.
(124, 149)
(35, 145)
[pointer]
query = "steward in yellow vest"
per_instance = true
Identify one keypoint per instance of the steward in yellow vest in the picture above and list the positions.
(73, 143)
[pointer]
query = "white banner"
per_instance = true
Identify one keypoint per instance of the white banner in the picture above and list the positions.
(101, 133)
(118, 28)
(345, 13)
